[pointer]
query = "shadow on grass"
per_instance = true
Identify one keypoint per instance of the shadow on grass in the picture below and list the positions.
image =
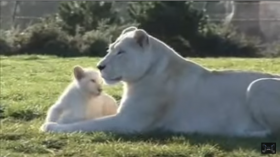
(11, 136)
(1, 112)
(117, 97)
(31, 58)
(54, 144)
(224, 143)
(25, 115)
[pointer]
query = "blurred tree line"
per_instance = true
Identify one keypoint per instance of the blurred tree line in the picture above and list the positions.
(84, 28)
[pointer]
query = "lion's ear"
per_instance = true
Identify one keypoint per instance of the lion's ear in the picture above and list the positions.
(78, 72)
(141, 37)
(129, 29)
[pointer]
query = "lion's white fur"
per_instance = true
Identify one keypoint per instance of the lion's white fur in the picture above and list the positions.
(263, 96)
(83, 99)
(163, 90)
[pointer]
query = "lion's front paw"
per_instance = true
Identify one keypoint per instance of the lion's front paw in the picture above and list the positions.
(49, 127)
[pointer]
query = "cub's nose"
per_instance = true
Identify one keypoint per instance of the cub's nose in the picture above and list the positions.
(101, 67)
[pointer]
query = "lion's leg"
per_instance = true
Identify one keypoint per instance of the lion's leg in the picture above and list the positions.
(113, 123)
(264, 102)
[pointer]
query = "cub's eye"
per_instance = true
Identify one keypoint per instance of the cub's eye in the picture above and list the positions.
(92, 80)
(120, 52)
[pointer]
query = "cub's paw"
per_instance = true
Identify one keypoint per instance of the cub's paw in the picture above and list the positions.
(49, 127)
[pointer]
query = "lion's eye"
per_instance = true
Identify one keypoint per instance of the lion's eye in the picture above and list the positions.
(120, 52)
(92, 80)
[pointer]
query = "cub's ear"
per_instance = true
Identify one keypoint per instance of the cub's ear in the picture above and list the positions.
(78, 72)
(141, 37)
(129, 29)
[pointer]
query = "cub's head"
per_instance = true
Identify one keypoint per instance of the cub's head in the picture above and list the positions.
(128, 58)
(88, 80)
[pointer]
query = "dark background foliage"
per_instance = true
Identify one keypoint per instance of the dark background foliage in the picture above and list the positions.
(85, 28)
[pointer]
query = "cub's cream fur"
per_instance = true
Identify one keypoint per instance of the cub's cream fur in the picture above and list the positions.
(164, 91)
(83, 99)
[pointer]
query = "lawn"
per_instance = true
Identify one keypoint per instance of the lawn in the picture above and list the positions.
(30, 84)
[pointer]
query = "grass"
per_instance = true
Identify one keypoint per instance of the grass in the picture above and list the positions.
(30, 84)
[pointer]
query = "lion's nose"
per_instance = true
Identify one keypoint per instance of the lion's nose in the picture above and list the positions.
(101, 67)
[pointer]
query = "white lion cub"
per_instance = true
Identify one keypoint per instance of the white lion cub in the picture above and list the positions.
(83, 99)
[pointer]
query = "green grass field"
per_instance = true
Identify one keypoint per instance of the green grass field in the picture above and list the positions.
(30, 84)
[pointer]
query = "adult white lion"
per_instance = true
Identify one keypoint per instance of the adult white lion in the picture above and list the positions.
(163, 90)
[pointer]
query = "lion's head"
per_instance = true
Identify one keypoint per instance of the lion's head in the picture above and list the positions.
(128, 58)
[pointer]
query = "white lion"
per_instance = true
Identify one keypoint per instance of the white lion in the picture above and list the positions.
(164, 91)
(83, 99)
